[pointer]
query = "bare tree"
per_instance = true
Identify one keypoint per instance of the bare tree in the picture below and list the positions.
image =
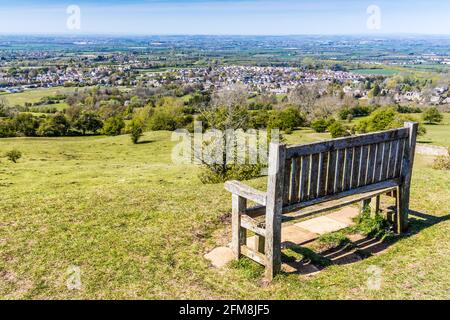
(305, 97)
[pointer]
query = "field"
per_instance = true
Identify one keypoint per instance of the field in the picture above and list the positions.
(383, 72)
(138, 226)
(35, 95)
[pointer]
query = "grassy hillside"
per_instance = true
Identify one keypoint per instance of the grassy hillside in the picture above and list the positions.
(138, 225)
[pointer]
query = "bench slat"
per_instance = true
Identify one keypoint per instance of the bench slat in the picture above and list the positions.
(314, 177)
(342, 143)
(385, 162)
(339, 174)
(304, 181)
(369, 188)
(348, 168)
(398, 161)
(363, 166)
(331, 172)
(322, 179)
(378, 162)
(371, 163)
(287, 180)
(356, 165)
(295, 188)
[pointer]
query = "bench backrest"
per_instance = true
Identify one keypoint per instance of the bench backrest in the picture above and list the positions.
(317, 170)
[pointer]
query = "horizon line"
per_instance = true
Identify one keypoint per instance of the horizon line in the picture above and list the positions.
(217, 34)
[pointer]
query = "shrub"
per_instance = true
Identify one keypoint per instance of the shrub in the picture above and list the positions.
(136, 130)
(7, 129)
(14, 155)
(286, 120)
(384, 119)
(113, 126)
(319, 125)
(432, 115)
(338, 130)
(213, 174)
(357, 111)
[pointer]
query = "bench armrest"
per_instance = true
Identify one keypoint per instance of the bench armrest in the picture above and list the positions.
(246, 192)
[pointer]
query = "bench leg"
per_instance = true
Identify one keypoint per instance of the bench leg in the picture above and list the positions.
(375, 206)
(363, 205)
(273, 250)
(239, 205)
(401, 218)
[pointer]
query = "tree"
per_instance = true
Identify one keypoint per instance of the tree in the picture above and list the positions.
(113, 126)
(432, 115)
(136, 130)
(305, 98)
(54, 126)
(88, 121)
(25, 124)
(4, 108)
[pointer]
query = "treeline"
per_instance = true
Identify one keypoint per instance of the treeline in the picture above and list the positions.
(111, 111)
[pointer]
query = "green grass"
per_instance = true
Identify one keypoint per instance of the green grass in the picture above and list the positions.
(437, 134)
(383, 72)
(35, 95)
(138, 226)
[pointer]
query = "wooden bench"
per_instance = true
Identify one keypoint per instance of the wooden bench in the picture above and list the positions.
(311, 178)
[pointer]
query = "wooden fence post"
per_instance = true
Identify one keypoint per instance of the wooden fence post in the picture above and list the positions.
(274, 207)
(407, 167)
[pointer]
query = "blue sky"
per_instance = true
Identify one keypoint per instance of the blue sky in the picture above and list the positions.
(248, 17)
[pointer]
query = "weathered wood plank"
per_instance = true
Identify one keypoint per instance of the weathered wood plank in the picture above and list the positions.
(287, 180)
(355, 167)
(304, 180)
(383, 185)
(322, 179)
(255, 256)
(331, 172)
(398, 161)
(348, 142)
(274, 208)
(348, 169)
(378, 162)
(252, 225)
(247, 192)
(295, 186)
(407, 166)
(339, 174)
(314, 176)
(363, 166)
(238, 233)
(371, 163)
(384, 166)
(392, 158)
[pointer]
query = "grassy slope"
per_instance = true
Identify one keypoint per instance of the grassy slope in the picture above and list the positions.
(138, 226)
(437, 134)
